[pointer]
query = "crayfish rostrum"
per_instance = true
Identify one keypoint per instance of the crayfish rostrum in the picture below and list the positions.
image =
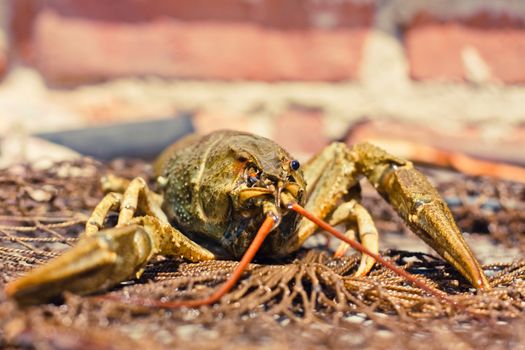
(219, 191)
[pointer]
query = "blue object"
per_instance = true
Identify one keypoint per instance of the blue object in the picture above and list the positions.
(135, 140)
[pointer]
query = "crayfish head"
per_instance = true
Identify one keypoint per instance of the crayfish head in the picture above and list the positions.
(263, 171)
(264, 175)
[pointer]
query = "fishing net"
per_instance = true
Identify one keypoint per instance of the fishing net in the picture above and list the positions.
(309, 300)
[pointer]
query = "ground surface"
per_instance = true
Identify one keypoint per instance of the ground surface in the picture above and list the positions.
(308, 301)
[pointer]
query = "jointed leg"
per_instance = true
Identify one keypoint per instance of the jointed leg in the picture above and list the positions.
(166, 239)
(111, 201)
(136, 194)
(151, 203)
(329, 176)
(358, 218)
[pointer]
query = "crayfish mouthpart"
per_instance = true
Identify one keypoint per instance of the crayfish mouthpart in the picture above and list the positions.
(253, 192)
(287, 200)
(272, 211)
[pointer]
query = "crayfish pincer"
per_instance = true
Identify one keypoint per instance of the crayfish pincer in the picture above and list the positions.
(239, 194)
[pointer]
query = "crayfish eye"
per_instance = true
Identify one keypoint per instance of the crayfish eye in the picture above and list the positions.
(252, 180)
(294, 164)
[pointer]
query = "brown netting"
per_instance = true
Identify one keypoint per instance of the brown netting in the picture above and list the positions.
(311, 300)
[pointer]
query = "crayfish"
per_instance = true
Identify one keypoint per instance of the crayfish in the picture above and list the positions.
(231, 195)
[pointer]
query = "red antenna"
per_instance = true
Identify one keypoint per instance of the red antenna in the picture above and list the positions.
(248, 256)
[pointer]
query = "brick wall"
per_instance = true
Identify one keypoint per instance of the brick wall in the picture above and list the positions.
(268, 40)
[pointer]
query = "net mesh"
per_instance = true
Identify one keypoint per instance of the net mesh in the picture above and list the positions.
(309, 299)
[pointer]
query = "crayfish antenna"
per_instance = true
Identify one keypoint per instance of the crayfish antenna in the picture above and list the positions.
(262, 233)
(358, 246)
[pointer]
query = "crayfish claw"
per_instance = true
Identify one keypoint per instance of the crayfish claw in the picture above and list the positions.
(95, 263)
(420, 205)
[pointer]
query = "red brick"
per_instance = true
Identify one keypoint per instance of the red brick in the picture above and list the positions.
(434, 46)
(267, 40)
(4, 63)
(300, 131)
(23, 13)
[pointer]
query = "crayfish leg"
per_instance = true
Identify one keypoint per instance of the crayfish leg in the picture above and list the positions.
(357, 219)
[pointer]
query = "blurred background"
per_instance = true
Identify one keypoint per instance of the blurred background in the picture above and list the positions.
(426, 79)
